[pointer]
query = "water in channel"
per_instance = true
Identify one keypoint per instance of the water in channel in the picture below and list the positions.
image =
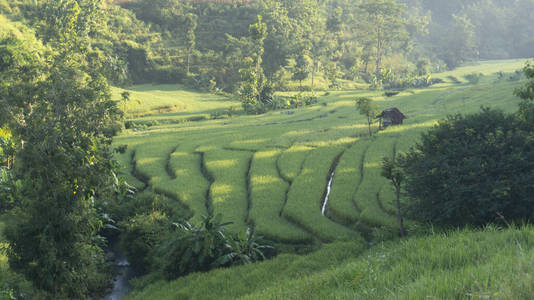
(328, 190)
(121, 283)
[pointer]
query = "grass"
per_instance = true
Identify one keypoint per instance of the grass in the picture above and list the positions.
(366, 197)
(462, 265)
(346, 181)
(268, 194)
(237, 282)
(228, 193)
(291, 152)
(465, 264)
(291, 161)
(307, 194)
(127, 168)
(487, 68)
(189, 183)
(271, 171)
(170, 101)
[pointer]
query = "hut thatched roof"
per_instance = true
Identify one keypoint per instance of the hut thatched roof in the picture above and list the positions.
(393, 113)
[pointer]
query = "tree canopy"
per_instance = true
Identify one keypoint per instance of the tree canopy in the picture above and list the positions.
(58, 107)
(472, 170)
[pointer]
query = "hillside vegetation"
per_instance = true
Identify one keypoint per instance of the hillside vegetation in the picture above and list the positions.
(271, 171)
(493, 263)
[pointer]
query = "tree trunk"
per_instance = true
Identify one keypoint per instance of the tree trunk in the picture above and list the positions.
(379, 47)
(188, 60)
(369, 122)
(378, 59)
(258, 75)
(399, 214)
(313, 75)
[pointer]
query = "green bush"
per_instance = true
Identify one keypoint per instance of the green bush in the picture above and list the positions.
(471, 170)
(454, 79)
(168, 74)
(473, 78)
(405, 82)
(139, 237)
(391, 93)
(193, 249)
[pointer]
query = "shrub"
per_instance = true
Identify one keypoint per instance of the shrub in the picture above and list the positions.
(516, 76)
(473, 78)
(197, 118)
(454, 79)
(391, 93)
(168, 74)
(404, 82)
(140, 236)
(436, 80)
(192, 249)
(471, 169)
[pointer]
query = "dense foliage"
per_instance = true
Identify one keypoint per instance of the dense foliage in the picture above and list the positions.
(57, 105)
(208, 44)
(154, 244)
(472, 170)
(526, 108)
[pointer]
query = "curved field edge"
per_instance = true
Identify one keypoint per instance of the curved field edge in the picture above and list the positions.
(462, 264)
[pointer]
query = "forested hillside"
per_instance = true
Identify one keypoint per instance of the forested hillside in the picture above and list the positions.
(205, 44)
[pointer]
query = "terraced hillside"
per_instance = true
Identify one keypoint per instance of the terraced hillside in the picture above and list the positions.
(272, 171)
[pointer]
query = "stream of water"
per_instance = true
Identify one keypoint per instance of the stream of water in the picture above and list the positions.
(121, 283)
(328, 190)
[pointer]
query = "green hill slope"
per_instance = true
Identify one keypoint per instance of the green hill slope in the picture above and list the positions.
(271, 171)
(488, 264)
(307, 142)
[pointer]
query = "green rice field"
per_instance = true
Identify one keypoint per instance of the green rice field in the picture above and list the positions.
(271, 171)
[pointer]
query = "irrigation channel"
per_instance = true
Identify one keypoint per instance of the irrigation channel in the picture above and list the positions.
(328, 190)
(121, 282)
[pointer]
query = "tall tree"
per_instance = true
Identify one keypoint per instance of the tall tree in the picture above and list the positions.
(61, 109)
(301, 70)
(253, 78)
(369, 109)
(190, 25)
(382, 25)
(457, 44)
(391, 170)
(526, 108)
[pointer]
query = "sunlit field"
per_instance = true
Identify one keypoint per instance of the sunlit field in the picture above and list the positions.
(270, 171)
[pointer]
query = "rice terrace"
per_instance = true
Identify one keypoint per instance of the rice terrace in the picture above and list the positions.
(271, 171)
(266, 149)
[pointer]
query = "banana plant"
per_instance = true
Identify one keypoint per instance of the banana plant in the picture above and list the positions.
(244, 248)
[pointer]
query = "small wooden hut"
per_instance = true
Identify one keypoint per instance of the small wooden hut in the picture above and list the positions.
(390, 117)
